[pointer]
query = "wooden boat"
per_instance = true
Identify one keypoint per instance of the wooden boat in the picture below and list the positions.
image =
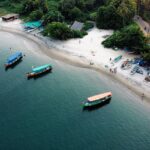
(13, 59)
(117, 59)
(39, 70)
(97, 99)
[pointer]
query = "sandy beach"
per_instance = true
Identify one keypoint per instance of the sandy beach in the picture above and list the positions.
(87, 52)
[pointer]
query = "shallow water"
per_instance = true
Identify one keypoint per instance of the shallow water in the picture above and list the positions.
(46, 113)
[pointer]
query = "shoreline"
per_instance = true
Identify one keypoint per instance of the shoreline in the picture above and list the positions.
(82, 62)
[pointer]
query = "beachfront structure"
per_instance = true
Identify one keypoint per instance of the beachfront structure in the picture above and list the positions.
(10, 17)
(77, 26)
(145, 26)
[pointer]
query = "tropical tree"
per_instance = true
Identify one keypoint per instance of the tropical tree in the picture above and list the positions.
(52, 16)
(126, 10)
(58, 30)
(130, 36)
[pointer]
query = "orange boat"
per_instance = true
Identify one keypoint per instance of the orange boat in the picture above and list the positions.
(97, 99)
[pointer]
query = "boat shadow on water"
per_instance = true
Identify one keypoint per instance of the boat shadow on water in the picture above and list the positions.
(92, 108)
(13, 65)
(40, 75)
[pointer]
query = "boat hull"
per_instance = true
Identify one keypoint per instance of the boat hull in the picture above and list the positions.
(15, 62)
(35, 75)
(96, 103)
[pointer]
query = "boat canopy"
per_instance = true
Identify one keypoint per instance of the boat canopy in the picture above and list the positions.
(40, 68)
(99, 96)
(32, 25)
(14, 57)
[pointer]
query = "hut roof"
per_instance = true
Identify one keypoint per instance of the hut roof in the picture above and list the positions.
(77, 25)
(10, 16)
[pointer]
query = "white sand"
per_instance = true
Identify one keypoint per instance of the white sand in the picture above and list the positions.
(89, 49)
(16, 24)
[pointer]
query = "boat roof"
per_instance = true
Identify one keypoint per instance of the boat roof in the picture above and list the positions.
(10, 15)
(99, 96)
(13, 56)
(40, 68)
(33, 24)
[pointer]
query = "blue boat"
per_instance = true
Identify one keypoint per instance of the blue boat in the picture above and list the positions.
(39, 70)
(13, 59)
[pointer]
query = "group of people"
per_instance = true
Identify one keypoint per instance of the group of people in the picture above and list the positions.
(113, 70)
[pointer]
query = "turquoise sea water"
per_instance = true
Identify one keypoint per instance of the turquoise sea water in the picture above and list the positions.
(46, 113)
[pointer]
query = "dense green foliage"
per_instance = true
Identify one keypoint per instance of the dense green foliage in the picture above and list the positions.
(52, 16)
(58, 30)
(108, 14)
(130, 36)
(78, 9)
(88, 25)
(115, 14)
(61, 31)
(143, 9)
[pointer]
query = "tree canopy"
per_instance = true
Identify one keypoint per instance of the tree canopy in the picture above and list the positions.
(115, 14)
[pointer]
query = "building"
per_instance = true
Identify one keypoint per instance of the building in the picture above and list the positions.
(77, 26)
(10, 17)
(145, 26)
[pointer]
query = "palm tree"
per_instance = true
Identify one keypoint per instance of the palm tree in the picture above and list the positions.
(126, 9)
(141, 4)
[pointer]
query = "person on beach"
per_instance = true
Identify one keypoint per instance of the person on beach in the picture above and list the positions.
(115, 70)
(142, 96)
(110, 59)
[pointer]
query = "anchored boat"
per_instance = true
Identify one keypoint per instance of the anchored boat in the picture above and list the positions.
(39, 70)
(13, 59)
(97, 99)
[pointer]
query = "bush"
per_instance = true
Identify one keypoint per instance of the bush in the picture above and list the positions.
(107, 18)
(88, 25)
(75, 13)
(116, 14)
(79, 34)
(61, 31)
(52, 16)
(36, 15)
(58, 30)
(146, 55)
(93, 16)
(130, 36)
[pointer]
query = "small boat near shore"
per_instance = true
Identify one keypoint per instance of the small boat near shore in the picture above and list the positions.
(13, 59)
(97, 99)
(117, 59)
(39, 71)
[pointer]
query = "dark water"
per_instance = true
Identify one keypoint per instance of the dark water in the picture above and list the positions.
(46, 113)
